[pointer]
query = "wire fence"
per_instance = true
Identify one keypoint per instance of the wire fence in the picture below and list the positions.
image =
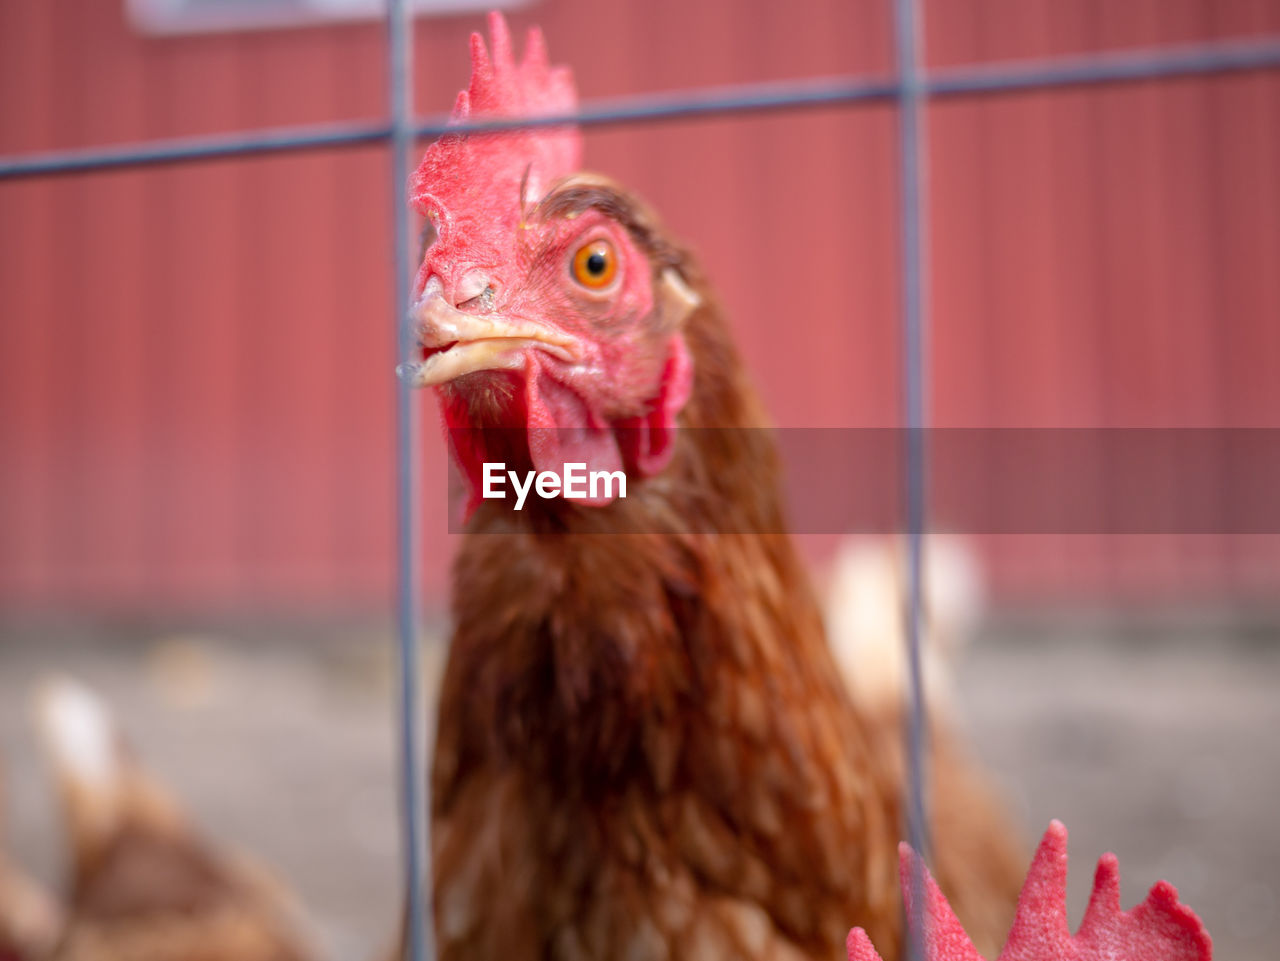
(976, 80)
(910, 87)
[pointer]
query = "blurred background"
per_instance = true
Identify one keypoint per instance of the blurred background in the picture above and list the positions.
(196, 396)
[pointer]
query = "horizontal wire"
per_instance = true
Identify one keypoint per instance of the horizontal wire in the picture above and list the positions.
(1120, 66)
(682, 104)
(186, 149)
(1009, 76)
(980, 79)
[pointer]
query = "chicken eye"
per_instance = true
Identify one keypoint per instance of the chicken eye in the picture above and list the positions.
(595, 264)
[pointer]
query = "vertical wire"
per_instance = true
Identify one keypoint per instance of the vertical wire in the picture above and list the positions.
(418, 941)
(912, 187)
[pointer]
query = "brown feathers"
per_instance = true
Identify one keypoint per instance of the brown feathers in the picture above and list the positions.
(645, 748)
(29, 918)
(146, 886)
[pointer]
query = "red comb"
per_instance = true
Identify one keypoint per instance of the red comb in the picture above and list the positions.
(474, 181)
(1158, 929)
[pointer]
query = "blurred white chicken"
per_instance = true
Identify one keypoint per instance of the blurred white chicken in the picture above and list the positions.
(866, 624)
(866, 617)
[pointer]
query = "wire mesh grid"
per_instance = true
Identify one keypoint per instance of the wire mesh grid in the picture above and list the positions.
(910, 87)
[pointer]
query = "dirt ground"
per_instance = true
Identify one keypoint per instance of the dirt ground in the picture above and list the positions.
(1158, 744)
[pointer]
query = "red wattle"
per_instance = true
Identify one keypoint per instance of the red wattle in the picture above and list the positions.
(649, 441)
(563, 430)
(560, 428)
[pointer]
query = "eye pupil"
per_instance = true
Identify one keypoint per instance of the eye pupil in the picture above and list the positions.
(594, 265)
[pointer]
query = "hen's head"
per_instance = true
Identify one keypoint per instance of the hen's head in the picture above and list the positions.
(547, 299)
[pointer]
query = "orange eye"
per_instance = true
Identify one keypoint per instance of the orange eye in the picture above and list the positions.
(595, 265)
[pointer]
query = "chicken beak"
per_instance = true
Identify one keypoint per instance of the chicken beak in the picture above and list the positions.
(457, 342)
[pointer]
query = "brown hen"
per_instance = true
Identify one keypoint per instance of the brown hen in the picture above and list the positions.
(146, 886)
(29, 916)
(645, 749)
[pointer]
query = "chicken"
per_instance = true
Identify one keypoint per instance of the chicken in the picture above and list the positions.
(29, 917)
(146, 887)
(865, 615)
(1158, 929)
(644, 747)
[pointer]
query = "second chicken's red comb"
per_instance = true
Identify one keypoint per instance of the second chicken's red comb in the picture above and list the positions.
(1158, 929)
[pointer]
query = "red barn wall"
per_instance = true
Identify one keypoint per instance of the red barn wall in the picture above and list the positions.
(196, 407)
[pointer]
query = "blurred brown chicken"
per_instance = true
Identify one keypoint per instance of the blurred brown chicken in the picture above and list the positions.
(29, 917)
(645, 748)
(146, 886)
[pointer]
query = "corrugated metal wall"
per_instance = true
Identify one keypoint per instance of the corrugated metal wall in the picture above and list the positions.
(195, 403)
(1107, 258)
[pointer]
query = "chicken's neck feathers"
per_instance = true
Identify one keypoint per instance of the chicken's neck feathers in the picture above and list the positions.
(592, 658)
